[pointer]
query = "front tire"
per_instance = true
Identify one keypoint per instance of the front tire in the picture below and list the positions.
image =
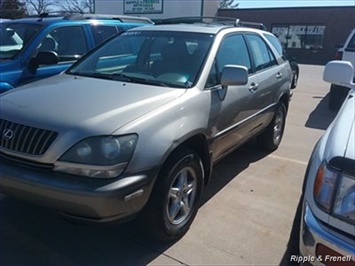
(271, 138)
(175, 197)
(294, 81)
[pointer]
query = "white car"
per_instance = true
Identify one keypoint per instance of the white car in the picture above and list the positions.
(328, 218)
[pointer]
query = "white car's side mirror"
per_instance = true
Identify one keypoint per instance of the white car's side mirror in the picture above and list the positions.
(339, 73)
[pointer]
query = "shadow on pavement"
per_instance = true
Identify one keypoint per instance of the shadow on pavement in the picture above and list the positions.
(321, 117)
(293, 242)
(34, 236)
(229, 168)
(30, 235)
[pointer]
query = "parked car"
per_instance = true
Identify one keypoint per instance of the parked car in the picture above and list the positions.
(135, 126)
(38, 47)
(293, 63)
(338, 93)
(327, 227)
(295, 72)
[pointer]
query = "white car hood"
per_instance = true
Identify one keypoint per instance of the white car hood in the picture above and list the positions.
(340, 135)
(350, 147)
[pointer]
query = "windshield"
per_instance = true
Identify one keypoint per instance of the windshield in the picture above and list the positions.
(14, 37)
(165, 58)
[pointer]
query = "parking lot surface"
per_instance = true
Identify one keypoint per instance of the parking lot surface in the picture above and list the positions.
(248, 214)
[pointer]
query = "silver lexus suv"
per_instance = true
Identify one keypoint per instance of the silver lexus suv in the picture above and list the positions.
(133, 129)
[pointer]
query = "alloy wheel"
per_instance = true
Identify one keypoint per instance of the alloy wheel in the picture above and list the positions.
(182, 195)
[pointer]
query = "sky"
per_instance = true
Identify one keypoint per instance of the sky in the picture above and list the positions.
(292, 3)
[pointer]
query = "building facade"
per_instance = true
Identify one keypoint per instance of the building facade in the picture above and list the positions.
(310, 34)
(158, 9)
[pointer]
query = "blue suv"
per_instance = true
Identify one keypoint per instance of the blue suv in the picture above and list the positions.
(38, 47)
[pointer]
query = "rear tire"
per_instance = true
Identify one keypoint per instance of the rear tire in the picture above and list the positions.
(271, 138)
(175, 197)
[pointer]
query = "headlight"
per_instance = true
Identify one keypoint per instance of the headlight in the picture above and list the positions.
(101, 157)
(345, 198)
(334, 191)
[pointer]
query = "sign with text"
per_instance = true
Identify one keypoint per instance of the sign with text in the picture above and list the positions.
(300, 36)
(143, 6)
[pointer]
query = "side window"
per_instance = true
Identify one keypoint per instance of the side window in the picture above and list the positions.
(102, 33)
(351, 45)
(68, 42)
(262, 55)
(232, 51)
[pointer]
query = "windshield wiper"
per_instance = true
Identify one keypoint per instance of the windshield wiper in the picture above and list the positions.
(121, 77)
(126, 78)
(110, 76)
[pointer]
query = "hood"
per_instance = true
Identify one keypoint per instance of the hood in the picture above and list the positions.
(340, 140)
(92, 106)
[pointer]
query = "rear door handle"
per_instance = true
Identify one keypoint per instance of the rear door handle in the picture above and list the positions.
(253, 87)
(279, 75)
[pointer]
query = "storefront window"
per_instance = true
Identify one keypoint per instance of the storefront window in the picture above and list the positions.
(300, 36)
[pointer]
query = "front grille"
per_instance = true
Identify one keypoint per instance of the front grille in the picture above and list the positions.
(25, 139)
(24, 163)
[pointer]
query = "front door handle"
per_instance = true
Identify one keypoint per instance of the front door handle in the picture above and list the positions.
(279, 75)
(253, 87)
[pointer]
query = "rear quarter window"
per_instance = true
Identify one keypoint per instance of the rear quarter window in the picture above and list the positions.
(275, 43)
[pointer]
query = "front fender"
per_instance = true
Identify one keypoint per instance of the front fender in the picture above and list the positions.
(166, 128)
(5, 86)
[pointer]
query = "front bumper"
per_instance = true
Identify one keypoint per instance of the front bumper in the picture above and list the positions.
(314, 235)
(79, 197)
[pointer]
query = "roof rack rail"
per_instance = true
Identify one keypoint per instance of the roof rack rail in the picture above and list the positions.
(212, 20)
(54, 14)
(45, 15)
(249, 24)
(121, 18)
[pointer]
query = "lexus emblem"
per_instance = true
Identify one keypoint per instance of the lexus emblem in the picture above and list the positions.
(7, 134)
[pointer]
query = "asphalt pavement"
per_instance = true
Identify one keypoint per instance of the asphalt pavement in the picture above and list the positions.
(249, 213)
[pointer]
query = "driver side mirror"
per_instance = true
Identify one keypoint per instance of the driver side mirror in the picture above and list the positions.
(339, 73)
(45, 58)
(234, 75)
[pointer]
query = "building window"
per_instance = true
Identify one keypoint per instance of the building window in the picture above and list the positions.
(300, 36)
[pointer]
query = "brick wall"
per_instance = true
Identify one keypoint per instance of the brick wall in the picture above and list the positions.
(339, 21)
